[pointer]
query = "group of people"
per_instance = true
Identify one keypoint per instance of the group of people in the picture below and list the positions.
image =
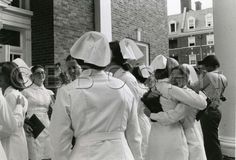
(111, 110)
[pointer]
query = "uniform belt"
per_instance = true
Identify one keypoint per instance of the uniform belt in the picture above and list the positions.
(37, 111)
(92, 138)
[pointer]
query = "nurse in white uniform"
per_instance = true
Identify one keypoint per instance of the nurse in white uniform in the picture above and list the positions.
(14, 142)
(122, 52)
(168, 141)
(8, 122)
(185, 114)
(39, 99)
(95, 109)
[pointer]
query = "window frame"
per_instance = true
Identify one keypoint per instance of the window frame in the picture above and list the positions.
(175, 27)
(192, 38)
(209, 18)
(209, 38)
(194, 23)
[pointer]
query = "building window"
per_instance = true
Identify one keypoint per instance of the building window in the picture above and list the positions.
(210, 39)
(14, 56)
(209, 20)
(191, 23)
(172, 26)
(145, 48)
(173, 43)
(24, 4)
(191, 41)
(10, 37)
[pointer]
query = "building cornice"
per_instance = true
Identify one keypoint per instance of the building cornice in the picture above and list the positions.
(191, 47)
(5, 3)
(190, 33)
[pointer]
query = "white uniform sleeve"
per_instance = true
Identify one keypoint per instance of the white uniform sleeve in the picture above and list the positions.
(7, 119)
(133, 132)
(61, 132)
(183, 95)
(170, 116)
(11, 116)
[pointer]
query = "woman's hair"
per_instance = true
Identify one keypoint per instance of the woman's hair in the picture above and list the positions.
(88, 65)
(12, 74)
(183, 70)
(69, 58)
(64, 78)
(34, 68)
(138, 75)
(117, 57)
(161, 73)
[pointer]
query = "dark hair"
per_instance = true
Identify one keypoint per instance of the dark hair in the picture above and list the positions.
(210, 61)
(34, 68)
(64, 78)
(12, 74)
(117, 57)
(161, 73)
(58, 64)
(69, 58)
(138, 75)
(88, 65)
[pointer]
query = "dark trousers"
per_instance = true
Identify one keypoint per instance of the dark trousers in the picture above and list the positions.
(210, 122)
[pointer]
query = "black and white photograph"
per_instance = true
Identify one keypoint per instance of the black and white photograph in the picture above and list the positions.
(117, 79)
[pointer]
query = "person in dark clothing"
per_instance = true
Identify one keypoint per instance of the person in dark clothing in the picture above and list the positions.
(212, 83)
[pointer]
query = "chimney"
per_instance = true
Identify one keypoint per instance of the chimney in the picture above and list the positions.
(185, 3)
(198, 5)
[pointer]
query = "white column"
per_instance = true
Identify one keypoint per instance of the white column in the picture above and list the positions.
(225, 49)
(103, 17)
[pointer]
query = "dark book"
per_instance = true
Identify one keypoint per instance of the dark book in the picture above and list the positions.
(36, 125)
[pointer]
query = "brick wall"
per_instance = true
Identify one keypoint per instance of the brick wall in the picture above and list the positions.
(72, 18)
(200, 39)
(182, 50)
(42, 32)
(57, 24)
(150, 15)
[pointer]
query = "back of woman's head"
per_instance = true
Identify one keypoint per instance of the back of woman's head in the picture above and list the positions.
(85, 65)
(117, 57)
(138, 75)
(161, 73)
(12, 75)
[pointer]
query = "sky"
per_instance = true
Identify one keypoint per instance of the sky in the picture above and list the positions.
(173, 6)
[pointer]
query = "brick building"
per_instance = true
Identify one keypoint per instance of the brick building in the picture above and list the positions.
(44, 30)
(191, 35)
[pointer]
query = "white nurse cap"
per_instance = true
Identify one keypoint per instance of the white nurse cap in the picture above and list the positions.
(159, 62)
(93, 48)
(130, 50)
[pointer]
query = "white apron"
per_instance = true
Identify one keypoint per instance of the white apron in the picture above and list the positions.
(101, 114)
